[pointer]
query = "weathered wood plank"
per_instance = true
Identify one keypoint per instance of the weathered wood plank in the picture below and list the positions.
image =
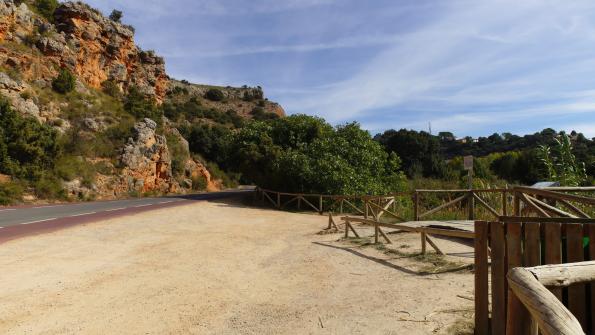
(481, 278)
(486, 205)
(564, 275)
(433, 245)
(553, 248)
(499, 285)
(575, 253)
(518, 320)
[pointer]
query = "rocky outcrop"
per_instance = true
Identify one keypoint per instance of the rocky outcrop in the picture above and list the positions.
(146, 161)
(94, 47)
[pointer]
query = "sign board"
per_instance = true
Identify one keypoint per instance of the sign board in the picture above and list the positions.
(468, 163)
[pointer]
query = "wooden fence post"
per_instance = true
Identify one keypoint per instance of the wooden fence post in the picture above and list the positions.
(376, 233)
(481, 278)
(504, 203)
(416, 206)
(471, 204)
(516, 205)
(365, 208)
(518, 319)
(321, 211)
(423, 243)
(279, 200)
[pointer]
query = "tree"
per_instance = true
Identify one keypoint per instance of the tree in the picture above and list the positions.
(419, 151)
(215, 94)
(65, 82)
(116, 15)
(300, 153)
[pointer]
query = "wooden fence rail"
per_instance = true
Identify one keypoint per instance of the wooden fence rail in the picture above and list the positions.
(523, 201)
(529, 242)
(549, 315)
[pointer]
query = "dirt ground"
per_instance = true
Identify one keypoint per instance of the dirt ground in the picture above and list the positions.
(223, 268)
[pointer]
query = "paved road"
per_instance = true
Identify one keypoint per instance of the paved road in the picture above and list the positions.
(19, 221)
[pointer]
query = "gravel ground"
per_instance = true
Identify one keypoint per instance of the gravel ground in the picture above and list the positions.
(223, 268)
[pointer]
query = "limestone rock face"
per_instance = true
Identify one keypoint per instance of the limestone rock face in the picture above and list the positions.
(94, 47)
(146, 160)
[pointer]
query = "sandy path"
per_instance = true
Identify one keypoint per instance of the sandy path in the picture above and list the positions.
(215, 268)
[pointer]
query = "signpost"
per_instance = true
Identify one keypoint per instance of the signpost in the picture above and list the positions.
(468, 165)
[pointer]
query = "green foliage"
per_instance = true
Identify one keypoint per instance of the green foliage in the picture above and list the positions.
(561, 164)
(138, 105)
(178, 154)
(10, 193)
(46, 8)
(65, 82)
(215, 94)
(27, 148)
(111, 88)
(419, 151)
(71, 167)
(228, 179)
(116, 15)
(199, 183)
(209, 141)
(260, 114)
(305, 154)
(49, 187)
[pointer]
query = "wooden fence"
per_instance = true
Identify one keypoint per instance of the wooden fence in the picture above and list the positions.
(486, 204)
(527, 242)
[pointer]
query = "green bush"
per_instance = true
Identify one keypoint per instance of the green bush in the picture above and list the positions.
(71, 167)
(49, 187)
(116, 15)
(199, 183)
(139, 106)
(10, 193)
(215, 94)
(46, 8)
(65, 82)
(27, 147)
(259, 114)
(111, 88)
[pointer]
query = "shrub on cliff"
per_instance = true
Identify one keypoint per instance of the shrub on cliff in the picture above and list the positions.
(46, 8)
(65, 82)
(215, 94)
(137, 104)
(27, 147)
(116, 15)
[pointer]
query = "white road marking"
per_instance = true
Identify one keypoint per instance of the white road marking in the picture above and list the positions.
(42, 207)
(115, 209)
(6, 210)
(39, 221)
(143, 205)
(166, 202)
(82, 214)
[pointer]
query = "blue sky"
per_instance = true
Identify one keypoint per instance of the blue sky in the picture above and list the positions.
(470, 67)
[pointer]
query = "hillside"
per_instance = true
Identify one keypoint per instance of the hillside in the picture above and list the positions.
(108, 106)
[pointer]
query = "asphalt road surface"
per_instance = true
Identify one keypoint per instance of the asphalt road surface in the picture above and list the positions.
(24, 220)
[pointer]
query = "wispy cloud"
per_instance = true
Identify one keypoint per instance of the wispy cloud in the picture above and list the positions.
(472, 66)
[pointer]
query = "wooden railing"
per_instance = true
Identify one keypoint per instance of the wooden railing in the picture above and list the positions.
(548, 314)
(425, 204)
(527, 242)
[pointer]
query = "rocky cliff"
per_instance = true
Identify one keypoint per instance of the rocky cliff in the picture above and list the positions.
(95, 48)
(125, 149)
